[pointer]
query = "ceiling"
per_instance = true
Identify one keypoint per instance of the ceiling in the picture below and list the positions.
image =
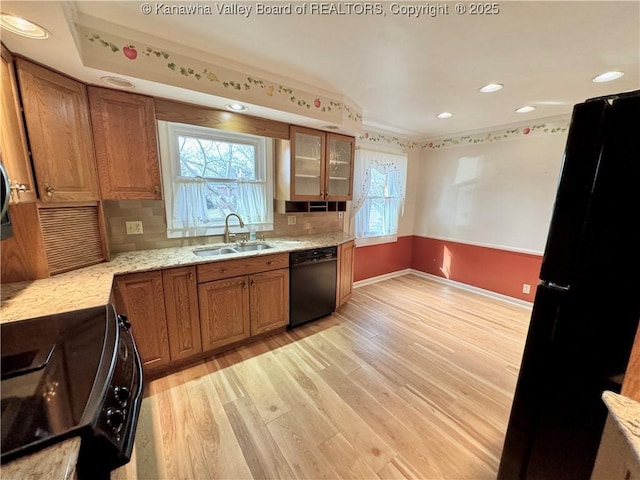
(400, 70)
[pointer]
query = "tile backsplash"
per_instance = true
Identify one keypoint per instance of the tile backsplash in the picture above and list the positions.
(154, 224)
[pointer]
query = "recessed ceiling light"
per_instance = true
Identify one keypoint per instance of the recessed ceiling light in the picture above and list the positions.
(330, 127)
(21, 26)
(525, 109)
(491, 87)
(607, 77)
(236, 107)
(445, 115)
(117, 82)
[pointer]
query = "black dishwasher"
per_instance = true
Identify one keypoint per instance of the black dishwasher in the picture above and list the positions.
(312, 280)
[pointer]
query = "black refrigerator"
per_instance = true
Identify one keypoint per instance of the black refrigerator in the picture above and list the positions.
(587, 303)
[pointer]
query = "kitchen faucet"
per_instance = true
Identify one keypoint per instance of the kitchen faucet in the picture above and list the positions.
(227, 234)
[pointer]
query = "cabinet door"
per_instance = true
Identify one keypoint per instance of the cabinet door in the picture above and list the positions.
(57, 117)
(124, 133)
(339, 167)
(269, 300)
(224, 311)
(307, 164)
(140, 297)
(346, 259)
(181, 304)
(14, 153)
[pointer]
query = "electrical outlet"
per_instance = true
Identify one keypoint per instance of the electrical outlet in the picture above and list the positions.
(291, 219)
(526, 288)
(340, 215)
(134, 228)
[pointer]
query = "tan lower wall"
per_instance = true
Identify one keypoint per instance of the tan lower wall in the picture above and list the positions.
(154, 224)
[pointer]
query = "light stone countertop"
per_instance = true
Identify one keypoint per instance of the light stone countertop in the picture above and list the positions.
(57, 462)
(626, 413)
(91, 286)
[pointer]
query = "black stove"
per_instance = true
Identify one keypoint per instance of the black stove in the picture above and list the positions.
(76, 373)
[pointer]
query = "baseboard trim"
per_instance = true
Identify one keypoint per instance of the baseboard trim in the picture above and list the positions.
(379, 278)
(445, 281)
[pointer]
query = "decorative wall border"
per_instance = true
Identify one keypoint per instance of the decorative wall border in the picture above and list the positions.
(550, 127)
(127, 56)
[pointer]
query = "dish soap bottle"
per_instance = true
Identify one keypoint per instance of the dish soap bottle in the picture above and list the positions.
(252, 232)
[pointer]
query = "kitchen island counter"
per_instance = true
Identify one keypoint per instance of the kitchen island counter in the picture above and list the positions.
(91, 286)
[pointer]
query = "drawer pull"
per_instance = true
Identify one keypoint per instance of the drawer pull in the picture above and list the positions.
(269, 262)
(222, 270)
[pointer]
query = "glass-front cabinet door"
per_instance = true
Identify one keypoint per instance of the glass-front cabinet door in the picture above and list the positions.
(339, 166)
(308, 151)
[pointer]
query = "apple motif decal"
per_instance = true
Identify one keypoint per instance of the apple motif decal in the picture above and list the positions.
(526, 131)
(317, 103)
(130, 52)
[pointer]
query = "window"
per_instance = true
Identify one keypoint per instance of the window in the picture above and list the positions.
(210, 173)
(378, 204)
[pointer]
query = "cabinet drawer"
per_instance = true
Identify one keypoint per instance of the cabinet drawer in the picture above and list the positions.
(243, 266)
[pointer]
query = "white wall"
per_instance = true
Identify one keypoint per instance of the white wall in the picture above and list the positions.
(406, 224)
(498, 194)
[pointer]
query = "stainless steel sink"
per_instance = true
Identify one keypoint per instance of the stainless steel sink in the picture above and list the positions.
(250, 247)
(206, 252)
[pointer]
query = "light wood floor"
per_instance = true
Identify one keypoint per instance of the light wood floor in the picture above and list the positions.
(411, 379)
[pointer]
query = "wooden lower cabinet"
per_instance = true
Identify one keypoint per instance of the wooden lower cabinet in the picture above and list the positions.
(224, 311)
(237, 308)
(181, 305)
(140, 297)
(269, 295)
(346, 259)
(174, 318)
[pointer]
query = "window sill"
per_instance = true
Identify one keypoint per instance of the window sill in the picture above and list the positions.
(364, 242)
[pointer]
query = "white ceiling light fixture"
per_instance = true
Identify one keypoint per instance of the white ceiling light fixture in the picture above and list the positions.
(444, 115)
(491, 87)
(117, 82)
(236, 107)
(525, 109)
(607, 77)
(22, 26)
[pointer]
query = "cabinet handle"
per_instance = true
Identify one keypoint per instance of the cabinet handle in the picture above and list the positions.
(156, 191)
(16, 189)
(222, 270)
(49, 189)
(244, 284)
(191, 276)
(270, 262)
(253, 283)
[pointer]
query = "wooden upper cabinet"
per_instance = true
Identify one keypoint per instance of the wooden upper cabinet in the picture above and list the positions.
(339, 167)
(315, 166)
(56, 113)
(13, 146)
(307, 164)
(124, 133)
